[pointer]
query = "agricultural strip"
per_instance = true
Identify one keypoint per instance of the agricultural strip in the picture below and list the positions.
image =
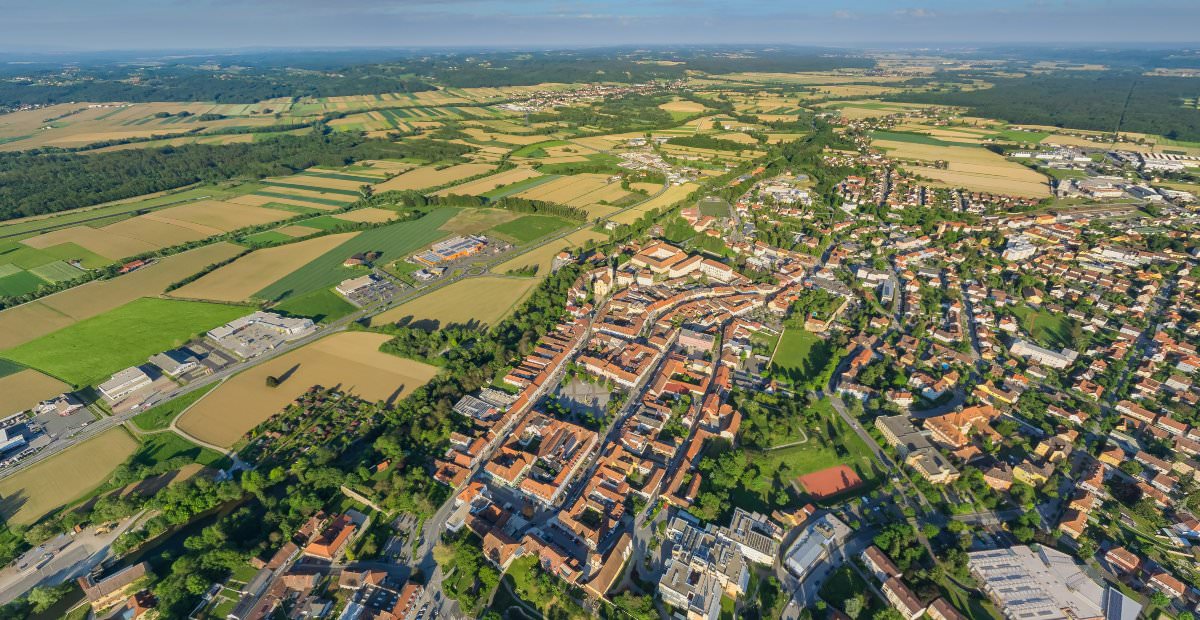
(239, 280)
(351, 360)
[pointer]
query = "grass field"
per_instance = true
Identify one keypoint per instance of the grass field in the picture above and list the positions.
(321, 305)
(162, 447)
(530, 227)
(349, 359)
(538, 149)
(485, 300)
(394, 241)
(89, 351)
(800, 356)
(1047, 328)
(64, 477)
(160, 417)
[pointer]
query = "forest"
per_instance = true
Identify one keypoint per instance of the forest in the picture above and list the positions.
(1102, 102)
(33, 183)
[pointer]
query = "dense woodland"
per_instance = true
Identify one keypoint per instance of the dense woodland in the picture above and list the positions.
(1102, 102)
(33, 183)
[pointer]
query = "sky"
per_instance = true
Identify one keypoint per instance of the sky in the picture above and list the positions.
(72, 25)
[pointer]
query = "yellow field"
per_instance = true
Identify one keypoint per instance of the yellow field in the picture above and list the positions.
(159, 232)
(488, 135)
(668, 198)
(304, 179)
(485, 300)
(63, 478)
(570, 189)
(428, 176)
(973, 168)
(106, 244)
(489, 183)
(348, 359)
(543, 255)
(472, 221)
(682, 105)
(35, 319)
(223, 216)
(22, 390)
(369, 214)
(296, 230)
(249, 274)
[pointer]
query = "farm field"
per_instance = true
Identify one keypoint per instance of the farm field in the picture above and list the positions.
(971, 167)
(543, 255)
(89, 351)
(25, 388)
(322, 305)
(473, 221)
(239, 280)
(394, 241)
(576, 190)
(490, 183)
(64, 477)
(485, 300)
(672, 195)
(37, 318)
(369, 214)
(530, 227)
(428, 176)
(349, 359)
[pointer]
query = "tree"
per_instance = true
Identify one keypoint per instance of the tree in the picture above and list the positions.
(1160, 600)
(1132, 468)
(43, 598)
(854, 606)
(272, 381)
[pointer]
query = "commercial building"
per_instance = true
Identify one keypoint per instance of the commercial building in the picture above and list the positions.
(704, 567)
(351, 286)
(124, 383)
(755, 535)
(1044, 584)
(821, 539)
(258, 333)
(175, 362)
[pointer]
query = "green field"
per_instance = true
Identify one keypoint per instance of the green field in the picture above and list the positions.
(314, 188)
(325, 222)
(1048, 329)
(341, 176)
(89, 351)
(916, 138)
(57, 271)
(267, 236)
(162, 447)
(537, 149)
(26, 257)
(160, 417)
(718, 207)
(800, 356)
(527, 228)
(19, 283)
(9, 368)
(322, 306)
(395, 241)
(518, 187)
(321, 201)
(1013, 135)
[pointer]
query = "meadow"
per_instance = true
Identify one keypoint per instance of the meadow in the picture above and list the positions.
(530, 227)
(159, 417)
(351, 360)
(89, 351)
(800, 355)
(63, 478)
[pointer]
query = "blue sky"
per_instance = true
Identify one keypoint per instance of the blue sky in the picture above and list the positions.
(166, 24)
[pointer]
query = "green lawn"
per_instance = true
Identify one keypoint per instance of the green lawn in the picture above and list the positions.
(322, 306)
(162, 447)
(160, 417)
(395, 241)
(537, 149)
(801, 355)
(87, 352)
(1047, 328)
(530, 227)
(9, 368)
(19, 283)
(1013, 135)
(325, 222)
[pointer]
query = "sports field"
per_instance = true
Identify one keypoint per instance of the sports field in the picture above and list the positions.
(393, 241)
(64, 477)
(830, 481)
(239, 280)
(25, 388)
(348, 359)
(530, 227)
(89, 351)
(38, 318)
(485, 300)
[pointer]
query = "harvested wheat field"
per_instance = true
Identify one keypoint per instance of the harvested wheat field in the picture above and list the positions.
(674, 194)
(971, 167)
(22, 390)
(565, 189)
(296, 230)
(373, 215)
(612, 192)
(485, 300)
(428, 176)
(223, 216)
(982, 178)
(310, 180)
(682, 105)
(63, 478)
(242, 278)
(473, 221)
(158, 232)
(487, 135)
(351, 360)
(37, 318)
(104, 243)
(489, 183)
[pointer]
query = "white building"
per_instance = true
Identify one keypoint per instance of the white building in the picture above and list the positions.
(1045, 584)
(351, 286)
(124, 383)
(1044, 356)
(821, 539)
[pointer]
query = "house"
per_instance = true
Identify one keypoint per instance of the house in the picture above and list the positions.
(902, 599)
(332, 541)
(1123, 559)
(109, 590)
(941, 609)
(879, 564)
(1167, 584)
